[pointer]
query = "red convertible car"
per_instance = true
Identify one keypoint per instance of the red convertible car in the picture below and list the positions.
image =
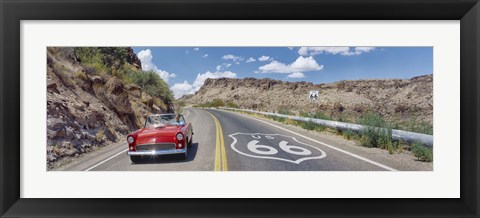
(162, 134)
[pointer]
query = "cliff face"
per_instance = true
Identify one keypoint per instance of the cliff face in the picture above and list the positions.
(395, 99)
(90, 105)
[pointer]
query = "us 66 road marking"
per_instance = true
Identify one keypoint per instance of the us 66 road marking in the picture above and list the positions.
(275, 147)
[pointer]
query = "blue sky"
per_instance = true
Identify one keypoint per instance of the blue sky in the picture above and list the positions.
(186, 68)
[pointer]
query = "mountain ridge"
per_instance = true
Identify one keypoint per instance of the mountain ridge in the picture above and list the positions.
(397, 100)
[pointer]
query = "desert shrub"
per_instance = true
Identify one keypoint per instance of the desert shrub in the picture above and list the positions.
(230, 104)
(343, 118)
(322, 116)
(308, 125)
(376, 132)
(348, 134)
(108, 56)
(290, 122)
(284, 111)
(151, 83)
(279, 119)
(81, 75)
(99, 136)
(420, 127)
(422, 153)
(215, 103)
(181, 104)
(64, 74)
(320, 128)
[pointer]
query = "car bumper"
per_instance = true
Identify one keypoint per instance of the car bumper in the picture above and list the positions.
(158, 152)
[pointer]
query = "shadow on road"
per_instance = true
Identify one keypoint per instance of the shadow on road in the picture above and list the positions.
(174, 158)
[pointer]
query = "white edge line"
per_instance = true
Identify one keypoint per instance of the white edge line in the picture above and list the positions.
(96, 165)
(327, 145)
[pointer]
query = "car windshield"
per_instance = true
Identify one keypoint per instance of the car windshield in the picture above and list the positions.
(164, 120)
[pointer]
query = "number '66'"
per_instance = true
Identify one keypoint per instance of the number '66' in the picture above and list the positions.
(254, 147)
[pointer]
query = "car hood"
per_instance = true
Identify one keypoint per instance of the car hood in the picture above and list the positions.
(157, 135)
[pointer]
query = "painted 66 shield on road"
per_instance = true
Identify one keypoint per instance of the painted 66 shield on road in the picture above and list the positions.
(275, 147)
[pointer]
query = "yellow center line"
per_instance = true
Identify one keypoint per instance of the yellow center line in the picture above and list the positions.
(222, 146)
(220, 153)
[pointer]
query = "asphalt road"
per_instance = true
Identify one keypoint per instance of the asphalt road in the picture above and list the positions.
(228, 141)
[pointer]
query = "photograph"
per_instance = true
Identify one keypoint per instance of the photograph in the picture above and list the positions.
(240, 108)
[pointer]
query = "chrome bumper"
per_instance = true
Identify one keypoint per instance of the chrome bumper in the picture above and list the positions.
(158, 152)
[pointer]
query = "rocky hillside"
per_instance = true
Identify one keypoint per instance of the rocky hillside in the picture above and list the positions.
(399, 100)
(95, 96)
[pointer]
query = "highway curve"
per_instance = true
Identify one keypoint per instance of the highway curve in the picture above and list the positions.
(229, 141)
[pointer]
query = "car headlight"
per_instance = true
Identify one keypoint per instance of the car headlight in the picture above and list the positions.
(130, 139)
(179, 136)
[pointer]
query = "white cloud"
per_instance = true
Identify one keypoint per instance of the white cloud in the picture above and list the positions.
(232, 57)
(251, 59)
(302, 64)
(364, 49)
(180, 89)
(146, 57)
(222, 66)
(198, 83)
(264, 58)
(296, 75)
(346, 51)
(291, 48)
(196, 49)
(205, 55)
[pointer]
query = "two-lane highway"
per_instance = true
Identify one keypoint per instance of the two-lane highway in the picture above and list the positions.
(228, 141)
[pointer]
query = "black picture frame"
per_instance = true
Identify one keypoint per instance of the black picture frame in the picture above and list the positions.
(13, 11)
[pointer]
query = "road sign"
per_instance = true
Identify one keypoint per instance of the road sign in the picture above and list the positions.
(313, 95)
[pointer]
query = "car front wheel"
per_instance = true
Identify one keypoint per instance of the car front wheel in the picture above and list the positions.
(190, 142)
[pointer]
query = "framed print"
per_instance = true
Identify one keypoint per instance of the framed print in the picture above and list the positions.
(305, 108)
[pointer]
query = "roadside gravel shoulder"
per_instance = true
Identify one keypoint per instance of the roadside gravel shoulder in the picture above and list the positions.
(87, 160)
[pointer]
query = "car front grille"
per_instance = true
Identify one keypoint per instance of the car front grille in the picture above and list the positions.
(156, 147)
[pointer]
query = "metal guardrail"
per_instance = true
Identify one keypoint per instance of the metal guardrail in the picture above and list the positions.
(398, 135)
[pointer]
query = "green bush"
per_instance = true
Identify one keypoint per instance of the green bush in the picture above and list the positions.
(420, 127)
(109, 56)
(376, 133)
(230, 104)
(284, 111)
(215, 103)
(322, 116)
(317, 115)
(308, 125)
(348, 134)
(422, 153)
(181, 104)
